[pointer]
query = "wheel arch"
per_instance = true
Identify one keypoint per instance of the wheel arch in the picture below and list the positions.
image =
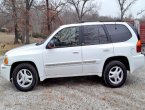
(20, 62)
(122, 59)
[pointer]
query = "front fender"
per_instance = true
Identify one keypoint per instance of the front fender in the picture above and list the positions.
(36, 59)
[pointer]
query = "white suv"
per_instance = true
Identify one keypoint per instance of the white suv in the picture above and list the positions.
(107, 49)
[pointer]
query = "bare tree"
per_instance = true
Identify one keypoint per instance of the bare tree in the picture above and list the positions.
(81, 7)
(48, 13)
(141, 12)
(48, 16)
(9, 8)
(4, 14)
(27, 19)
(124, 6)
(15, 21)
(54, 7)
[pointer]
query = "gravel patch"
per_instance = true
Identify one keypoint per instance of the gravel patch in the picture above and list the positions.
(78, 93)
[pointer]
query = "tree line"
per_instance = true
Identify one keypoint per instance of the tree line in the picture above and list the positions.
(43, 16)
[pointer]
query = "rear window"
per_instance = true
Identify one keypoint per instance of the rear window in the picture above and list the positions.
(118, 32)
(135, 30)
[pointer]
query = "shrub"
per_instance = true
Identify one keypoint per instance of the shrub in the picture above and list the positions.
(3, 30)
(39, 35)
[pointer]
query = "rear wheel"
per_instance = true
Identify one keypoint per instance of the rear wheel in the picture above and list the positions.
(25, 77)
(115, 74)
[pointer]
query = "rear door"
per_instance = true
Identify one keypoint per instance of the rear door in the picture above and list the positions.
(96, 48)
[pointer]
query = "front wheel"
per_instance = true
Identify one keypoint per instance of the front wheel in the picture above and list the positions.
(115, 74)
(25, 77)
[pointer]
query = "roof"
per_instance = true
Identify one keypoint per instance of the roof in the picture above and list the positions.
(92, 23)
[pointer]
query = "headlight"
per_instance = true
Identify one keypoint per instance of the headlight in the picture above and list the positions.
(6, 60)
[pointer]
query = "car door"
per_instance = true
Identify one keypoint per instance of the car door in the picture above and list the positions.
(65, 59)
(96, 49)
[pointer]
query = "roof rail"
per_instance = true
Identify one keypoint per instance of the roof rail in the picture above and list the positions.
(118, 20)
(87, 21)
(112, 21)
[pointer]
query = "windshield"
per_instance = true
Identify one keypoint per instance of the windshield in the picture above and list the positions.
(40, 43)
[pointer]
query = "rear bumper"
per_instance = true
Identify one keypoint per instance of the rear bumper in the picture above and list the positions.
(5, 71)
(137, 62)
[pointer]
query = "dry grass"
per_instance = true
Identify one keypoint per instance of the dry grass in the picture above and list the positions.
(7, 48)
(8, 40)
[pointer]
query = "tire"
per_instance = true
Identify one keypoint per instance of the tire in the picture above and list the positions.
(115, 74)
(25, 77)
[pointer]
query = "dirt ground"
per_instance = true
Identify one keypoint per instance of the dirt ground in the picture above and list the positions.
(79, 93)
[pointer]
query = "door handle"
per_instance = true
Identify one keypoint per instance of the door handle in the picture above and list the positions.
(106, 50)
(75, 52)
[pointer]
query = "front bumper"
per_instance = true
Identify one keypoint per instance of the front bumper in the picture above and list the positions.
(5, 71)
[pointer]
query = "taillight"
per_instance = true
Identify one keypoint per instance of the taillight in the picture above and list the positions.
(138, 47)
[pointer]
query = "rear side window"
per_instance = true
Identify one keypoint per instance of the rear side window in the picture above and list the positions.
(135, 30)
(118, 32)
(94, 34)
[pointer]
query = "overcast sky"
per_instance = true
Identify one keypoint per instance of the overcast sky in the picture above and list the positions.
(110, 8)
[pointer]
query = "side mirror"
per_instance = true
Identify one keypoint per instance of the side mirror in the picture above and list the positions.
(50, 45)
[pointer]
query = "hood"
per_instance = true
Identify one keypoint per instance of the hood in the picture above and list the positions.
(25, 49)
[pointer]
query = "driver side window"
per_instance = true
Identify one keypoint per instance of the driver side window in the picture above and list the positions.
(67, 37)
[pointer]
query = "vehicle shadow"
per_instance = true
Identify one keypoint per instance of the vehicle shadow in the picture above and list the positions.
(83, 80)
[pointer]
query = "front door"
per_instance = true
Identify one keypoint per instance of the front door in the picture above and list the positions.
(65, 58)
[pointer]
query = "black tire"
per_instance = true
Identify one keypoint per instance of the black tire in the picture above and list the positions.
(34, 76)
(109, 67)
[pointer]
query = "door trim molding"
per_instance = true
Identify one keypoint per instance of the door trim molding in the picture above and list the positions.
(64, 64)
(71, 63)
(89, 61)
